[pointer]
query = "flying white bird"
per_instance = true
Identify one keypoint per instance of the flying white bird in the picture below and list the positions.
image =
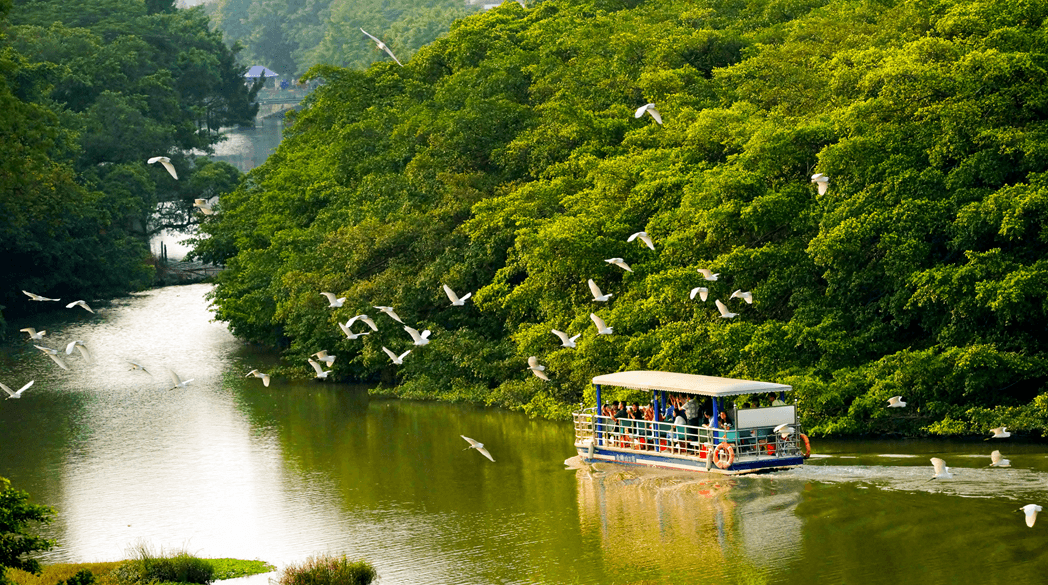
(644, 237)
(332, 301)
(79, 304)
(80, 346)
(941, 471)
(540, 375)
(620, 263)
(418, 338)
(784, 430)
(702, 291)
(896, 402)
(598, 295)
(383, 46)
(53, 354)
(12, 394)
(478, 446)
(258, 374)
(565, 341)
(649, 109)
(725, 313)
(167, 165)
(362, 319)
(1031, 511)
(996, 460)
(202, 205)
(177, 381)
(1000, 433)
(398, 360)
(138, 366)
(602, 328)
(349, 334)
(33, 297)
(34, 334)
(533, 364)
(325, 357)
(739, 294)
(454, 298)
(389, 311)
(708, 274)
(822, 181)
(321, 373)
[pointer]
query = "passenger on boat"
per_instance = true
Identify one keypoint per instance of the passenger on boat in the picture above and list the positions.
(724, 421)
(680, 438)
(691, 410)
(638, 425)
(776, 401)
(622, 418)
(649, 426)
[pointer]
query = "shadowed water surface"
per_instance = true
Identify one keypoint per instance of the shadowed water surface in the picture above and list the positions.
(227, 467)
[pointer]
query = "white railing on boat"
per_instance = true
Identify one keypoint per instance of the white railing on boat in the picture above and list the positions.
(668, 439)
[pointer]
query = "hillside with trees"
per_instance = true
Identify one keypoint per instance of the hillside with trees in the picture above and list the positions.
(89, 93)
(505, 159)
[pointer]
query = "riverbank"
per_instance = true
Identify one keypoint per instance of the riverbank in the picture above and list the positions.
(105, 572)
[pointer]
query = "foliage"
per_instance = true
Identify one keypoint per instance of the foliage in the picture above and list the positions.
(504, 159)
(328, 570)
(147, 566)
(106, 573)
(17, 541)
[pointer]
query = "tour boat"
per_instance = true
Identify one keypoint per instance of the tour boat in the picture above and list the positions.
(764, 438)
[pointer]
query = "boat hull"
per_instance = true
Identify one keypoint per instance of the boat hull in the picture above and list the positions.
(655, 459)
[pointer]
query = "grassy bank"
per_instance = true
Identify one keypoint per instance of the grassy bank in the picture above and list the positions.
(112, 573)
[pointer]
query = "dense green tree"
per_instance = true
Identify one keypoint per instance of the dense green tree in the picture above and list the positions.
(17, 540)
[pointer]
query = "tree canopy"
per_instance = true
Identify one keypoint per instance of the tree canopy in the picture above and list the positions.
(504, 158)
(17, 540)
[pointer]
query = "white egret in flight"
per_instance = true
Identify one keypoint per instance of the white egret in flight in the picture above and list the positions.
(1000, 433)
(332, 301)
(941, 471)
(708, 274)
(258, 374)
(702, 291)
(392, 314)
(53, 354)
(33, 297)
(478, 446)
(822, 181)
(1031, 511)
(325, 357)
(456, 300)
(598, 295)
(724, 312)
(620, 263)
(997, 460)
(649, 109)
(602, 328)
(397, 359)
(565, 341)
(80, 346)
(12, 394)
(34, 334)
(79, 304)
(362, 319)
(382, 46)
(896, 402)
(416, 337)
(177, 381)
(167, 165)
(744, 295)
(644, 237)
(321, 373)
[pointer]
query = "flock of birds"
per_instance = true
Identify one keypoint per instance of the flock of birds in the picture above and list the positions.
(996, 460)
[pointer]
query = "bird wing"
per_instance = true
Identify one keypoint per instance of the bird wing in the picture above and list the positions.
(394, 315)
(471, 442)
(594, 289)
(390, 53)
(647, 240)
(345, 330)
(598, 321)
(316, 366)
(61, 363)
(391, 355)
(748, 297)
(640, 111)
(735, 295)
(370, 37)
(939, 465)
(330, 297)
(69, 347)
(322, 354)
(83, 351)
(622, 264)
(563, 336)
(451, 294)
(485, 453)
(174, 377)
(465, 296)
(6, 389)
(170, 168)
(24, 388)
(404, 355)
(655, 114)
(694, 292)
(722, 308)
(540, 375)
(413, 333)
(995, 457)
(533, 362)
(572, 339)
(251, 373)
(265, 380)
(30, 331)
(370, 322)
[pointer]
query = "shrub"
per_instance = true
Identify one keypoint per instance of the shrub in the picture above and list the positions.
(181, 567)
(328, 570)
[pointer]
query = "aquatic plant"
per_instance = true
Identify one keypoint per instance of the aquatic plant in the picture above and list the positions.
(328, 570)
(146, 566)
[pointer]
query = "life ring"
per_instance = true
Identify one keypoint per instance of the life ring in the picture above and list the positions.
(729, 457)
(807, 445)
(769, 448)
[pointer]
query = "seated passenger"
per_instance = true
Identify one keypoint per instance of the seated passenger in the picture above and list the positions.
(680, 436)
(776, 401)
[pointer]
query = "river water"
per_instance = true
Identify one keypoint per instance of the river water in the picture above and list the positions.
(229, 468)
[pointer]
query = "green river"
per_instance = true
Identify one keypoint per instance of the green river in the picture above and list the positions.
(229, 468)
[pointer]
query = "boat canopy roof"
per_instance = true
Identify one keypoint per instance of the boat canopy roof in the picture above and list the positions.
(687, 383)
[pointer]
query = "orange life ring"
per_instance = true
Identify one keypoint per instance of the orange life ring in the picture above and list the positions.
(807, 445)
(769, 448)
(726, 461)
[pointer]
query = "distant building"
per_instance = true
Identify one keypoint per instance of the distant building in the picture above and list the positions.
(259, 71)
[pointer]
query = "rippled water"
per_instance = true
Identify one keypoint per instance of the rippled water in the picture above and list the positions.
(227, 467)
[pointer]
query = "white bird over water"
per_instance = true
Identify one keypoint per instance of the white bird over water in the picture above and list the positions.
(389, 311)
(203, 206)
(321, 373)
(382, 46)
(258, 374)
(363, 319)
(33, 297)
(34, 334)
(456, 301)
(744, 295)
(349, 334)
(650, 110)
(332, 301)
(397, 359)
(79, 304)
(708, 274)
(167, 165)
(1031, 511)
(325, 357)
(138, 366)
(80, 346)
(997, 460)
(478, 446)
(177, 381)
(702, 291)
(598, 295)
(12, 394)
(416, 337)
(602, 327)
(822, 181)
(724, 312)
(1000, 433)
(896, 402)
(53, 354)
(565, 341)
(644, 237)
(941, 471)
(620, 263)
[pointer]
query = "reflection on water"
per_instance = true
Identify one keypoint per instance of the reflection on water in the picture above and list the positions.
(227, 467)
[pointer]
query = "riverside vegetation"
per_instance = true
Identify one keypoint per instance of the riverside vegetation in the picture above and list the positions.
(504, 158)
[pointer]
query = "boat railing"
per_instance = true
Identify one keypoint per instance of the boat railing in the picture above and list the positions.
(690, 441)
